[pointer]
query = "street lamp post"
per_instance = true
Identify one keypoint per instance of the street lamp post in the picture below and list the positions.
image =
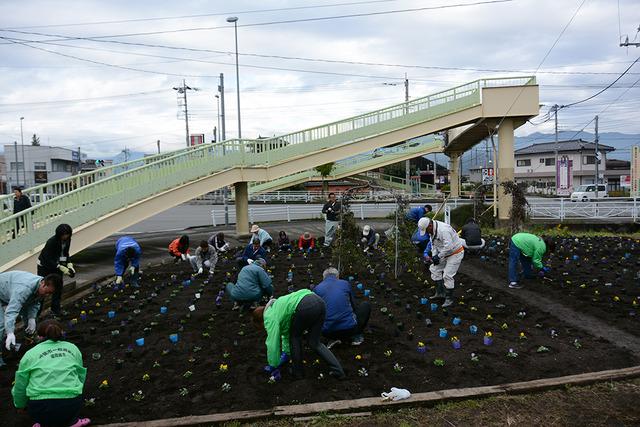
(234, 20)
(24, 163)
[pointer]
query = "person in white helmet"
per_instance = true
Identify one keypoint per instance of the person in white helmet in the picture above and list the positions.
(446, 255)
(370, 238)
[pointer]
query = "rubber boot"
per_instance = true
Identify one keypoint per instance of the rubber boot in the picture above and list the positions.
(439, 290)
(448, 301)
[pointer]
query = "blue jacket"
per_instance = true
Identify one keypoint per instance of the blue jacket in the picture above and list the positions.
(415, 214)
(120, 262)
(253, 282)
(423, 243)
(261, 235)
(250, 254)
(18, 293)
(338, 298)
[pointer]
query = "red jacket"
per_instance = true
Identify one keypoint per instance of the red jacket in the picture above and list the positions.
(176, 250)
(305, 244)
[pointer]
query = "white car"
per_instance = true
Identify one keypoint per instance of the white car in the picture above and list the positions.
(585, 193)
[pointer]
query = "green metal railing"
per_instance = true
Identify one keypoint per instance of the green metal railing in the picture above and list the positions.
(353, 165)
(95, 198)
(399, 183)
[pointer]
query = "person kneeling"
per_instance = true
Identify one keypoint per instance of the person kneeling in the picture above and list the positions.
(345, 320)
(306, 242)
(253, 284)
(471, 235)
(49, 380)
(205, 257)
(370, 238)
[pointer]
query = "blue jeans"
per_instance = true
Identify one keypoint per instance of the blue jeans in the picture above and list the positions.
(515, 256)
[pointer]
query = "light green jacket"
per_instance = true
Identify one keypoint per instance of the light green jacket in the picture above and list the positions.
(532, 246)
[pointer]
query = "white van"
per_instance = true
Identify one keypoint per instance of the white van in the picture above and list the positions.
(587, 192)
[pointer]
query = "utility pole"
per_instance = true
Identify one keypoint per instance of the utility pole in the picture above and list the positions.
(24, 161)
(222, 120)
(407, 163)
(182, 90)
(158, 143)
(555, 110)
(79, 161)
(597, 181)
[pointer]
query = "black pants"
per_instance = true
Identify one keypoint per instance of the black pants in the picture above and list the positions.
(56, 297)
(362, 312)
(309, 316)
(55, 412)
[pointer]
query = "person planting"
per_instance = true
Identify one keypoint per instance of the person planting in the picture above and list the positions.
(127, 257)
(415, 214)
(205, 257)
(306, 242)
(50, 379)
(218, 242)
(179, 248)
(527, 249)
(263, 237)
(422, 240)
(344, 319)
(331, 211)
(21, 293)
(284, 244)
(286, 319)
(370, 238)
(447, 254)
(471, 235)
(253, 283)
(252, 252)
(54, 259)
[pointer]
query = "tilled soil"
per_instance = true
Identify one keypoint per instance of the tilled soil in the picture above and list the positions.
(162, 379)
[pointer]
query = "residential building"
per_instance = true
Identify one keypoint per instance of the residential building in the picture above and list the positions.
(535, 164)
(618, 175)
(36, 164)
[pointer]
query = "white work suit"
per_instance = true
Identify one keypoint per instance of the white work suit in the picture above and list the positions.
(448, 247)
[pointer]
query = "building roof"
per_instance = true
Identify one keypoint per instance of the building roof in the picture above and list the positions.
(616, 164)
(563, 146)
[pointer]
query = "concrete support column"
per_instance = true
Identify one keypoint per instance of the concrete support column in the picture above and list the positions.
(242, 208)
(506, 163)
(454, 178)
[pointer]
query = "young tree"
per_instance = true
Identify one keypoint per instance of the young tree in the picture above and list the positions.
(518, 212)
(324, 171)
(35, 140)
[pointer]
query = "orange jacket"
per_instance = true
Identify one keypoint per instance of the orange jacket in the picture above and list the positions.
(175, 250)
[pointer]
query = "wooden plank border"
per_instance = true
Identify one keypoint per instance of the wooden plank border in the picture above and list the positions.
(374, 403)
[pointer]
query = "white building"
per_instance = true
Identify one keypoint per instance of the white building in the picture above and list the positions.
(535, 164)
(39, 164)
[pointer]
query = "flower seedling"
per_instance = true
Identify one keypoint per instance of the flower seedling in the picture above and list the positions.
(542, 349)
(554, 333)
(226, 387)
(388, 353)
(577, 344)
(187, 374)
(522, 336)
(522, 314)
(438, 362)
(488, 338)
(489, 317)
(512, 353)
(146, 377)
(475, 358)
(398, 367)
(504, 326)
(223, 367)
(422, 348)
(455, 343)
(90, 402)
(137, 396)
(362, 372)
(156, 364)
(183, 392)
(104, 385)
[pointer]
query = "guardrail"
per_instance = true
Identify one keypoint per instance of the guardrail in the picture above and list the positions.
(601, 210)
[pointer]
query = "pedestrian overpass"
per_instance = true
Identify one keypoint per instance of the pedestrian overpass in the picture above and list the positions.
(97, 204)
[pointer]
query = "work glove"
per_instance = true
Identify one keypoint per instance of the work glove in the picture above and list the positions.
(118, 280)
(249, 261)
(435, 259)
(72, 270)
(200, 270)
(284, 358)
(546, 269)
(64, 270)
(184, 257)
(10, 341)
(396, 394)
(31, 326)
(273, 372)
(132, 270)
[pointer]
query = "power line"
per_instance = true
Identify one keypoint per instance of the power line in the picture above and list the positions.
(204, 15)
(291, 21)
(83, 99)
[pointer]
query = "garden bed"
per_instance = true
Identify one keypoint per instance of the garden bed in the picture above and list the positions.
(217, 363)
(599, 276)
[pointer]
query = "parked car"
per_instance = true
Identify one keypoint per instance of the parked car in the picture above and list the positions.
(587, 192)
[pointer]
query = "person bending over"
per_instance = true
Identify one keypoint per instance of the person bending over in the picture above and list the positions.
(252, 285)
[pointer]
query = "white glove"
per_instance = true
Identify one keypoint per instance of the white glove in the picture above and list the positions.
(71, 268)
(396, 394)
(249, 261)
(132, 269)
(366, 249)
(64, 270)
(184, 257)
(225, 247)
(11, 340)
(31, 326)
(200, 270)
(119, 280)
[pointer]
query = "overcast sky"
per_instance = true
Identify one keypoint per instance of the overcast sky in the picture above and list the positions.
(71, 102)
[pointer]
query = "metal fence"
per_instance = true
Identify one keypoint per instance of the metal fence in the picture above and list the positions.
(602, 210)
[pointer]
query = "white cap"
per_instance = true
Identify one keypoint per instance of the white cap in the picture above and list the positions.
(366, 230)
(423, 223)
